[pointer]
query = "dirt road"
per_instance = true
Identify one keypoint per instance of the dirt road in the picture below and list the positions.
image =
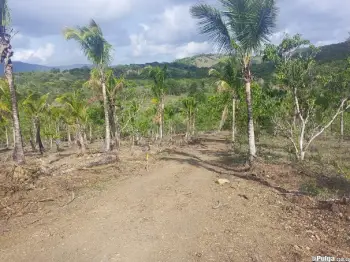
(176, 212)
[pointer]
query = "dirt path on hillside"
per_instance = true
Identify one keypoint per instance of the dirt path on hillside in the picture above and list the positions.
(174, 213)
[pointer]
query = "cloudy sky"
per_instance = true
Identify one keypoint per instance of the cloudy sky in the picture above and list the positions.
(152, 30)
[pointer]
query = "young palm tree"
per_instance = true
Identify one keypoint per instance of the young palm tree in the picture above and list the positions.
(241, 27)
(35, 108)
(190, 105)
(77, 108)
(158, 75)
(5, 57)
(98, 51)
(228, 81)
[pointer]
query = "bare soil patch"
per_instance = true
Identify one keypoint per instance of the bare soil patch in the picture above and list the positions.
(176, 211)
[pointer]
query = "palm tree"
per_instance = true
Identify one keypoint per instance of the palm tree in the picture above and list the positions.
(113, 86)
(98, 51)
(159, 76)
(77, 108)
(5, 55)
(228, 81)
(190, 105)
(241, 27)
(35, 108)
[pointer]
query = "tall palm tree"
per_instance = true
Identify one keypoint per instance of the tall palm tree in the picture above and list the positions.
(241, 27)
(228, 81)
(99, 52)
(159, 76)
(5, 57)
(113, 86)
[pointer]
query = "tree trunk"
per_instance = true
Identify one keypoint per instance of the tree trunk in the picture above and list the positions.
(69, 137)
(81, 140)
(33, 135)
(107, 124)
(90, 134)
(117, 128)
(7, 138)
(161, 120)
(223, 118)
(251, 134)
(38, 136)
(18, 152)
(193, 123)
(233, 118)
(342, 125)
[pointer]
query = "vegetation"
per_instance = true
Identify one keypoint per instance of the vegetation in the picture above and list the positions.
(241, 28)
(294, 90)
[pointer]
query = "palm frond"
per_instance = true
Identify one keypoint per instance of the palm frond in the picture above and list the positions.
(92, 42)
(250, 21)
(211, 23)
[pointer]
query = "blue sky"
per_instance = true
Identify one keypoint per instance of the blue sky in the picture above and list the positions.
(152, 30)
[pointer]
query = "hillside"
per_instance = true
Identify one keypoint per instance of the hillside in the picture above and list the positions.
(202, 60)
(192, 67)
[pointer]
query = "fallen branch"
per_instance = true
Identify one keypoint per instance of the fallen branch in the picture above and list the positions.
(70, 201)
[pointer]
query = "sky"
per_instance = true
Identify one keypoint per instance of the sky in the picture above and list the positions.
(152, 30)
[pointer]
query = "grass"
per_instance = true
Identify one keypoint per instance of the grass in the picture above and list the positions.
(326, 169)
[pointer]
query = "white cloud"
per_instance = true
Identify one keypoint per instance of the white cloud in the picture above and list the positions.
(153, 30)
(75, 10)
(41, 54)
(171, 26)
(193, 48)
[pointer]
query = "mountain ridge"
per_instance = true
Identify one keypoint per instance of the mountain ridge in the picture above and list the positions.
(338, 51)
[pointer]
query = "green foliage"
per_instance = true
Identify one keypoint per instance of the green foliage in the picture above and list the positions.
(93, 44)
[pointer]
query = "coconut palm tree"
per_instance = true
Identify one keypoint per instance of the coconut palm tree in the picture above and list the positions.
(241, 27)
(77, 108)
(113, 86)
(228, 80)
(99, 52)
(190, 105)
(35, 107)
(5, 57)
(159, 76)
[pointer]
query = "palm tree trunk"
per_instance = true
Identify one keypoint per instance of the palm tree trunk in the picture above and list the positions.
(342, 125)
(90, 134)
(107, 124)
(251, 135)
(117, 128)
(233, 118)
(33, 135)
(223, 118)
(161, 120)
(38, 136)
(18, 152)
(193, 122)
(82, 142)
(69, 137)
(7, 138)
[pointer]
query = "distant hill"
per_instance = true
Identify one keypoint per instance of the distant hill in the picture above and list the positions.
(195, 66)
(201, 61)
(25, 67)
(20, 67)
